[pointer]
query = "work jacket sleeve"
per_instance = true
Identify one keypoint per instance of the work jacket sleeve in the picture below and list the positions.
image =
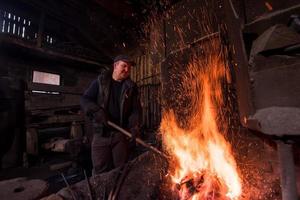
(136, 113)
(88, 101)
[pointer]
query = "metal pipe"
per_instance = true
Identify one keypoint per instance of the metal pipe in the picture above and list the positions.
(138, 140)
(69, 187)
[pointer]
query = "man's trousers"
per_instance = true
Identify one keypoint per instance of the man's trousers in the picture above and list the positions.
(109, 152)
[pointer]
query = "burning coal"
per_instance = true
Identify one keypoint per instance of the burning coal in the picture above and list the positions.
(202, 165)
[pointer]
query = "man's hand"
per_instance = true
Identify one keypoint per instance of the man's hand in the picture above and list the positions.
(100, 117)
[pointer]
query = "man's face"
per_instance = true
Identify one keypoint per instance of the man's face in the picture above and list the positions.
(121, 70)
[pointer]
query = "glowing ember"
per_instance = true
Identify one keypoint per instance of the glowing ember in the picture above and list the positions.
(203, 165)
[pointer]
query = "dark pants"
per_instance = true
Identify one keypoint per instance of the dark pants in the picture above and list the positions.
(109, 152)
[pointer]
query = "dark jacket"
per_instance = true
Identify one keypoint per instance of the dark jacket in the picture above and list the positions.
(97, 96)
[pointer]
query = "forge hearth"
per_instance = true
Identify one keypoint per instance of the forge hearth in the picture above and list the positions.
(142, 180)
(148, 178)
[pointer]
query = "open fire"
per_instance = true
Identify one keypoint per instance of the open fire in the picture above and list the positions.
(202, 165)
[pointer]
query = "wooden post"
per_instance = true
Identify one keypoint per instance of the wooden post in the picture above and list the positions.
(287, 171)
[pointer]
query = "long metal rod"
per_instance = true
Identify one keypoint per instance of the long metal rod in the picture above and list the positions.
(68, 186)
(138, 140)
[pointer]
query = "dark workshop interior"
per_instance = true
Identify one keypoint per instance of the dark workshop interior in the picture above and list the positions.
(218, 82)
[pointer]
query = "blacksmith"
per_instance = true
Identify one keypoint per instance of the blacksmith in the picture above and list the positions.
(112, 96)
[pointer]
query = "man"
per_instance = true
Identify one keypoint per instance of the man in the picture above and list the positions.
(113, 96)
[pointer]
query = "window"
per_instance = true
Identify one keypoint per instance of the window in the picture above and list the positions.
(10, 23)
(46, 78)
(20, 26)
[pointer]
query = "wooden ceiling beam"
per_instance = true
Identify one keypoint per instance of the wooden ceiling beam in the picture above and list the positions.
(11, 41)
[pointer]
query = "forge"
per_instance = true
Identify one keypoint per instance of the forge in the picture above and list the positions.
(203, 159)
(218, 83)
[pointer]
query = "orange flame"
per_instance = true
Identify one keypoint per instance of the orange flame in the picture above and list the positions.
(203, 165)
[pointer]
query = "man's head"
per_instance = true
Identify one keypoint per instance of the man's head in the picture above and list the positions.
(122, 67)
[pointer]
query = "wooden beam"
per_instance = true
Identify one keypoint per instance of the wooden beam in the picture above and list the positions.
(54, 88)
(59, 119)
(52, 111)
(7, 40)
(49, 101)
